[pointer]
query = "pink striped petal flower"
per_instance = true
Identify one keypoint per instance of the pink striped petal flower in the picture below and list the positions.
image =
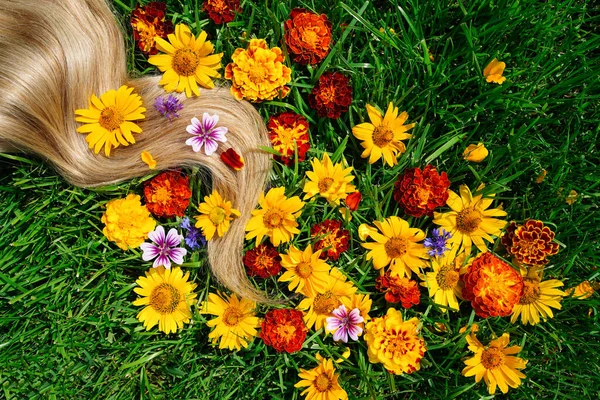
(164, 248)
(345, 324)
(206, 133)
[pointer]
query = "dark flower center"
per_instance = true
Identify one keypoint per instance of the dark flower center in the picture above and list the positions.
(382, 135)
(164, 298)
(185, 62)
(468, 220)
(492, 358)
(111, 118)
(396, 247)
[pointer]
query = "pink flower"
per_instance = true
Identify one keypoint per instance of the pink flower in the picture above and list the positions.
(345, 324)
(206, 133)
(164, 248)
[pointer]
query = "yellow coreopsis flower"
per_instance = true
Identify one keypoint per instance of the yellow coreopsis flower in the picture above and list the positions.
(538, 298)
(127, 222)
(493, 72)
(305, 270)
(216, 216)
(331, 181)
(443, 282)
(187, 61)
(475, 152)
(383, 136)
(321, 382)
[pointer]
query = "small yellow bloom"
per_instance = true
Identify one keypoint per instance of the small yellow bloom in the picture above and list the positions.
(475, 152)
(542, 175)
(305, 270)
(538, 298)
(493, 72)
(331, 181)
(127, 222)
(148, 159)
(216, 216)
(572, 197)
(321, 382)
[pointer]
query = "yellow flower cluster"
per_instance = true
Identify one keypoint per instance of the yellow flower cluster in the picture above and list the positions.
(127, 222)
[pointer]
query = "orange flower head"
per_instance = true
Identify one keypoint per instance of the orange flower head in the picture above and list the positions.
(331, 96)
(530, 243)
(287, 132)
(492, 286)
(399, 289)
(307, 36)
(232, 159)
(331, 237)
(148, 22)
(221, 11)
(284, 330)
(353, 200)
(168, 194)
(262, 261)
(419, 192)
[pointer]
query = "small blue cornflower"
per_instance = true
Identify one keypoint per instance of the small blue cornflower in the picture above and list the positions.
(436, 244)
(194, 238)
(168, 106)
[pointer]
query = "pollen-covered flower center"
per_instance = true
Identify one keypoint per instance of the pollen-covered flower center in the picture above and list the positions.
(164, 298)
(218, 6)
(468, 220)
(323, 383)
(111, 118)
(310, 37)
(185, 62)
(162, 195)
(217, 215)
(264, 261)
(232, 316)
(396, 247)
(447, 277)
(492, 358)
(382, 135)
(304, 269)
(423, 195)
(324, 184)
(286, 332)
(397, 345)
(273, 218)
(325, 303)
(531, 291)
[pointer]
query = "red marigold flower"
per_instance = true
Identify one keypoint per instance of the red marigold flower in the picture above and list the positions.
(332, 95)
(399, 290)
(221, 11)
(420, 192)
(232, 159)
(263, 261)
(530, 243)
(353, 200)
(148, 22)
(492, 286)
(285, 130)
(307, 36)
(168, 194)
(331, 237)
(284, 330)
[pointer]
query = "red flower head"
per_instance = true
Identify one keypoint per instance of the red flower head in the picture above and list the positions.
(232, 159)
(353, 200)
(492, 286)
(263, 261)
(149, 22)
(307, 36)
(221, 11)
(399, 290)
(331, 237)
(284, 330)
(168, 194)
(420, 192)
(530, 243)
(285, 129)
(332, 95)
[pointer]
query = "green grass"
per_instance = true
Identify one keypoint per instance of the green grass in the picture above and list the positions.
(67, 325)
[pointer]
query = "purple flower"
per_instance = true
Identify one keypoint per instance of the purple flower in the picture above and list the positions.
(164, 248)
(436, 245)
(345, 324)
(194, 237)
(206, 134)
(168, 106)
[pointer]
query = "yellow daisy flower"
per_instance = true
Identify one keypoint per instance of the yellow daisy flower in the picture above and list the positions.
(167, 295)
(108, 119)
(305, 270)
(276, 218)
(216, 215)
(537, 298)
(494, 363)
(320, 304)
(331, 181)
(398, 246)
(187, 61)
(470, 221)
(236, 322)
(443, 282)
(321, 382)
(383, 135)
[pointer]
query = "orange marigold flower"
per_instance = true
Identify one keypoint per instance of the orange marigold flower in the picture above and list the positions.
(307, 36)
(399, 290)
(530, 243)
(148, 22)
(419, 192)
(221, 11)
(287, 131)
(232, 159)
(353, 200)
(284, 330)
(331, 237)
(492, 286)
(257, 73)
(332, 95)
(168, 194)
(263, 261)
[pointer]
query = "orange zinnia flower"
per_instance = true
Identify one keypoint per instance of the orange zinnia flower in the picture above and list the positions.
(399, 290)
(168, 194)
(307, 36)
(420, 192)
(284, 330)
